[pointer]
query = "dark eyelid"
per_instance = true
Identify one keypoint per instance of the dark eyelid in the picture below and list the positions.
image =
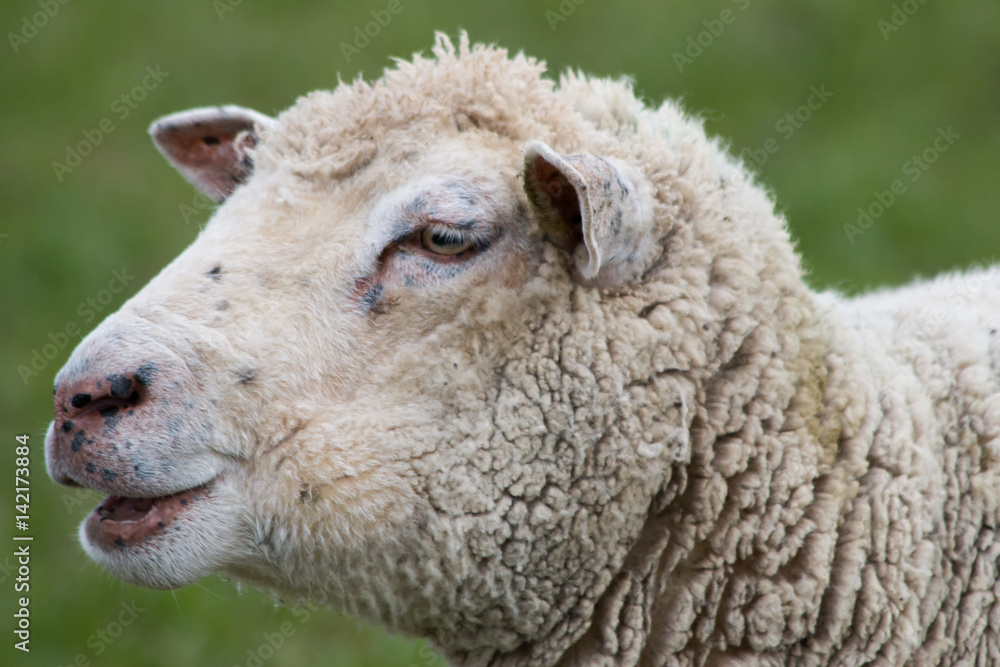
(472, 226)
(456, 209)
(403, 232)
(467, 225)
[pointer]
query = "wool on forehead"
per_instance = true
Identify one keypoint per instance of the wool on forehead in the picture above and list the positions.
(461, 86)
(481, 88)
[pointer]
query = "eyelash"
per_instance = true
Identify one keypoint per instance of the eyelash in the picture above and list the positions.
(478, 242)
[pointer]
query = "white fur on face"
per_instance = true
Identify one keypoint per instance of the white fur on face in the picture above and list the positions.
(700, 461)
(264, 333)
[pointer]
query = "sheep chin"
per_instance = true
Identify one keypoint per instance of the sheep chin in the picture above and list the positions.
(162, 543)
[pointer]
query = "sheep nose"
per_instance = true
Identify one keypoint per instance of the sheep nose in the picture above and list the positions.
(90, 395)
(90, 406)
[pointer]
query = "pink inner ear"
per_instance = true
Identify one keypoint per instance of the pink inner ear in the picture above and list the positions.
(208, 148)
(554, 195)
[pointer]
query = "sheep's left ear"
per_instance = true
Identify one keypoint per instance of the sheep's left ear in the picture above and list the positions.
(597, 208)
(208, 146)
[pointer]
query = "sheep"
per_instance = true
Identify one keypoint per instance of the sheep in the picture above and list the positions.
(530, 369)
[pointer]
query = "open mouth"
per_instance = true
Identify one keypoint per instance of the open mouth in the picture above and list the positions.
(120, 522)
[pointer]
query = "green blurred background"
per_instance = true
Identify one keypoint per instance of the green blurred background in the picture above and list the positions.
(895, 84)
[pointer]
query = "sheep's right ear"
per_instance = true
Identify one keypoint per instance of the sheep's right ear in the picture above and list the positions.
(208, 146)
(596, 208)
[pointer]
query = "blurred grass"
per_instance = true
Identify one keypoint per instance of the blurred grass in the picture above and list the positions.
(60, 241)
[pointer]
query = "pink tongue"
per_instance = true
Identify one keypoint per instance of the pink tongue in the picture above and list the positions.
(126, 509)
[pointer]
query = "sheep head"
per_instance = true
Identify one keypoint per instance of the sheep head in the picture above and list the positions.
(409, 368)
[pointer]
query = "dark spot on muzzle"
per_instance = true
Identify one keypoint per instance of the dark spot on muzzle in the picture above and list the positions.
(145, 373)
(80, 400)
(246, 375)
(111, 418)
(121, 385)
(78, 441)
(67, 426)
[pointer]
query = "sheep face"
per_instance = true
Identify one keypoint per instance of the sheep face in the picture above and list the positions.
(389, 386)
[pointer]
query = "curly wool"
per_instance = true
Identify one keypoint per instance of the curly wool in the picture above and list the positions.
(707, 465)
(716, 465)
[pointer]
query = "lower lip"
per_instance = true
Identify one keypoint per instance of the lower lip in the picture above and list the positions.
(118, 523)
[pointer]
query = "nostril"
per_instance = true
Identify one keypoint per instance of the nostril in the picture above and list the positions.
(80, 400)
(104, 396)
(107, 405)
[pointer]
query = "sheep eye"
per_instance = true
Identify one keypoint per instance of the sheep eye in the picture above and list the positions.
(444, 242)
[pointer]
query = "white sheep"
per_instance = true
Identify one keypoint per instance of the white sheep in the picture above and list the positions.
(531, 370)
